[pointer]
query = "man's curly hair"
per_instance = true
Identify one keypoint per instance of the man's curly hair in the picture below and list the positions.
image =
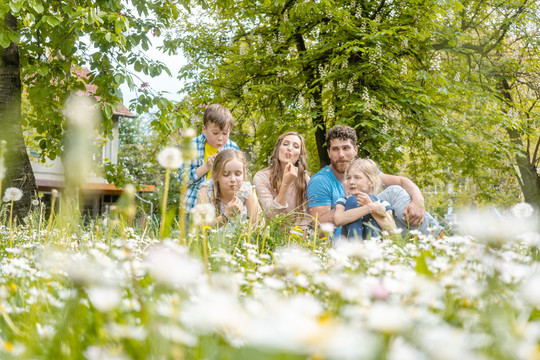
(341, 132)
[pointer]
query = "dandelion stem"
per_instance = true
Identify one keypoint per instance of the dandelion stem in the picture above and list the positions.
(315, 234)
(10, 227)
(164, 204)
(51, 215)
(181, 207)
(205, 252)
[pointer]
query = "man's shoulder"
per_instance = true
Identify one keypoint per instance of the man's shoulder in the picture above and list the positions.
(323, 173)
(321, 180)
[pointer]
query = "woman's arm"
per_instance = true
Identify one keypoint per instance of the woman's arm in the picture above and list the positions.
(344, 217)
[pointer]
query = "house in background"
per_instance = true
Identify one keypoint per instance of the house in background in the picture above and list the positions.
(97, 195)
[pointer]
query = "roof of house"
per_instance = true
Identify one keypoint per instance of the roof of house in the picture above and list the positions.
(120, 110)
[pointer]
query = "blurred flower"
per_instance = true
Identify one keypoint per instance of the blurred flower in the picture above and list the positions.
(171, 265)
(493, 227)
(327, 228)
(388, 319)
(203, 214)
(127, 331)
(177, 334)
(215, 311)
(35, 202)
(170, 158)
(46, 331)
(94, 352)
(12, 194)
(297, 260)
(82, 113)
(530, 290)
(104, 298)
(190, 133)
(522, 210)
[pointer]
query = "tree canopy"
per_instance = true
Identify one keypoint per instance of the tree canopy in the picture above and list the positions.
(420, 81)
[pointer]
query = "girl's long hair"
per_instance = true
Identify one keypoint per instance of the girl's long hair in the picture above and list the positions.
(222, 158)
(370, 169)
(276, 171)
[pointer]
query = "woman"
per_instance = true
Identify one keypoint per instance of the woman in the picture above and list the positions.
(281, 187)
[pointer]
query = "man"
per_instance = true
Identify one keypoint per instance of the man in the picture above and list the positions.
(326, 186)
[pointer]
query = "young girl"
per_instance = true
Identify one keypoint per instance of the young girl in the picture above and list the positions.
(361, 214)
(228, 191)
(281, 187)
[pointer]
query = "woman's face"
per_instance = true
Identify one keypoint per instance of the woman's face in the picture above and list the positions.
(356, 181)
(232, 177)
(290, 149)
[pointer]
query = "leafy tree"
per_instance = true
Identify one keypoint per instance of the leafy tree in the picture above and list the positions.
(418, 80)
(42, 45)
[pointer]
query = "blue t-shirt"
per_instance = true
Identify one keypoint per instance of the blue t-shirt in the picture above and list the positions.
(325, 189)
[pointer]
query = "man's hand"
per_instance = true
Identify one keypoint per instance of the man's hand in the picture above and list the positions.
(414, 214)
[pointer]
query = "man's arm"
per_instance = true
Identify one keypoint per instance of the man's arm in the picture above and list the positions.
(415, 210)
(323, 214)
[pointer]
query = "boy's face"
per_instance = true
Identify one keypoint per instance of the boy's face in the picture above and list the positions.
(215, 136)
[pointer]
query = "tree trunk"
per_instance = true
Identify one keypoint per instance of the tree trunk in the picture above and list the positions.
(528, 174)
(19, 172)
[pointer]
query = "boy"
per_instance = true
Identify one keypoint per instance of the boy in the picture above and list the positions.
(217, 125)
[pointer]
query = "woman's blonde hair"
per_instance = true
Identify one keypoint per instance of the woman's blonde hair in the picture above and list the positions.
(222, 158)
(276, 171)
(370, 169)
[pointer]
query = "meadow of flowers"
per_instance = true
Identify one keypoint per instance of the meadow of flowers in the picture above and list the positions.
(111, 291)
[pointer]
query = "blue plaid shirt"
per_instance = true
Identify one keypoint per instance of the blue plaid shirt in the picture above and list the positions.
(194, 182)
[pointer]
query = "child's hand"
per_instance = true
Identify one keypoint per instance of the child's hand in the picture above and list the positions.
(378, 208)
(363, 198)
(233, 208)
(290, 174)
(210, 161)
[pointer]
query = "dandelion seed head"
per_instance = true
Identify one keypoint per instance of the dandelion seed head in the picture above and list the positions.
(12, 194)
(523, 210)
(82, 113)
(190, 133)
(203, 214)
(170, 158)
(327, 228)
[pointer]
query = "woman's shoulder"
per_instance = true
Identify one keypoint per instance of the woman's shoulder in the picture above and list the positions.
(261, 176)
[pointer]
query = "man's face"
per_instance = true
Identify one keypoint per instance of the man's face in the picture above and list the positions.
(341, 152)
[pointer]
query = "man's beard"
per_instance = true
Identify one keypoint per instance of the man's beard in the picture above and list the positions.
(340, 165)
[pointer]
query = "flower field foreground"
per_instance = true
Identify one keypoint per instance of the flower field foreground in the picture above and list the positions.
(97, 295)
